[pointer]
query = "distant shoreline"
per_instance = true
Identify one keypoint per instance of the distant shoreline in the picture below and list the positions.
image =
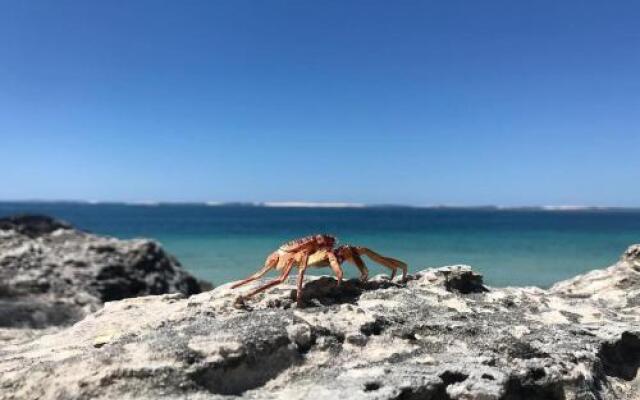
(324, 205)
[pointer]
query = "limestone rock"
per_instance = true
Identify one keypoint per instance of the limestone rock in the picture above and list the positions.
(422, 339)
(617, 286)
(632, 257)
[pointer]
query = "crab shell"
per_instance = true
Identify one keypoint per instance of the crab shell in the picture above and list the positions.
(308, 241)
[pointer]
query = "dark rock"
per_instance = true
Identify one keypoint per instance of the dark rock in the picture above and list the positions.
(464, 281)
(52, 274)
(621, 358)
(32, 225)
(458, 278)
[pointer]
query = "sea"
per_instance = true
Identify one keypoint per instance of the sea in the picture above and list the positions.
(225, 242)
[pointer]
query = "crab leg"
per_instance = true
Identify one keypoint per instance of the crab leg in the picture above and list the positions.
(388, 262)
(285, 273)
(302, 267)
(362, 267)
(335, 266)
(270, 262)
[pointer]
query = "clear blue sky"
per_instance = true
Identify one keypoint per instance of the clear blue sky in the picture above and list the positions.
(455, 102)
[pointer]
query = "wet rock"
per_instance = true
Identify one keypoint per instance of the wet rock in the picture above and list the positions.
(52, 274)
(421, 339)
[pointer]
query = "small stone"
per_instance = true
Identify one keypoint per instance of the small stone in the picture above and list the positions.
(301, 335)
(357, 339)
(101, 340)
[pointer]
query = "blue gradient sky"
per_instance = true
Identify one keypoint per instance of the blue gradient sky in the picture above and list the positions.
(456, 102)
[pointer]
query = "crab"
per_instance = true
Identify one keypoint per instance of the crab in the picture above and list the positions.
(317, 251)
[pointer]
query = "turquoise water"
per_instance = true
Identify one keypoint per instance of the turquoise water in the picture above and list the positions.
(510, 247)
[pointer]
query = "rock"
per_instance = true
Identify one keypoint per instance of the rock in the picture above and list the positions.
(32, 225)
(301, 336)
(632, 257)
(427, 338)
(357, 339)
(457, 278)
(53, 275)
(618, 286)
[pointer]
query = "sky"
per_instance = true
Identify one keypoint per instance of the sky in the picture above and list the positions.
(407, 102)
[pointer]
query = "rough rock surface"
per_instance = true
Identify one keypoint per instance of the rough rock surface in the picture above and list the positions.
(616, 287)
(54, 275)
(441, 335)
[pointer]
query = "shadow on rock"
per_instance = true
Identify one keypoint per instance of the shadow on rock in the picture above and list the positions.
(326, 291)
(621, 358)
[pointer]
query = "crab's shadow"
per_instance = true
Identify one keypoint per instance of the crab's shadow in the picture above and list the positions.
(325, 291)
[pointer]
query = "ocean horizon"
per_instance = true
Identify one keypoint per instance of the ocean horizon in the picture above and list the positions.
(516, 246)
(320, 204)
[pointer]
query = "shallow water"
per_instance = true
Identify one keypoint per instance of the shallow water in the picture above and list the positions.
(510, 247)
